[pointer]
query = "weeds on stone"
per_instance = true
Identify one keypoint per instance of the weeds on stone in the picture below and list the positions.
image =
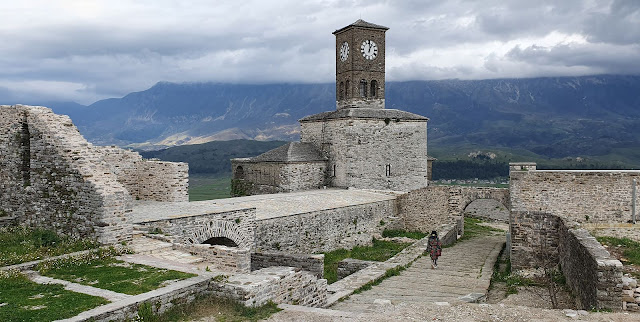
(630, 248)
(221, 309)
(402, 233)
(389, 273)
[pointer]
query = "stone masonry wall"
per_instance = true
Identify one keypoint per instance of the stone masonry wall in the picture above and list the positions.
(53, 178)
(363, 150)
(583, 196)
(313, 263)
(595, 278)
(148, 179)
(540, 240)
(325, 230)
(230, 259)
(275, 177)
(429, 207)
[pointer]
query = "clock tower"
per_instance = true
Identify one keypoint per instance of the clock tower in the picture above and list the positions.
(360, 49)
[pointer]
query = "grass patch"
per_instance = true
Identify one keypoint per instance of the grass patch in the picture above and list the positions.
(380, 251)
(209, 306)
(207, 188)
(28, 301)
(473, 229)
(21, 244)
(402, 233)
(105, 272)
(630, 248)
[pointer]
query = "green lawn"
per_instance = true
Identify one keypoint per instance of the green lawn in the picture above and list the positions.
(380, 251)
(24, 300)
(112, 274)
(630, 248)
(472, 229)
(204, 187)
(403, 233)
(20, 244)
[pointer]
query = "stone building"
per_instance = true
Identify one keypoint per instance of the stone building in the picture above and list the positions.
(363, 145)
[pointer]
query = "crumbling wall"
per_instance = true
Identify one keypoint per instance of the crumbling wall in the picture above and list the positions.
(604, 196)
(53, 178)
(255, 178)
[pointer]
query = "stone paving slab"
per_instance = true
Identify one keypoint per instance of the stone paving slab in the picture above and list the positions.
(79, 288)
(463, 275)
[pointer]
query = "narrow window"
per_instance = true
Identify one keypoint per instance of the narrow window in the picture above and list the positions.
(239, 173)
(25, 146)
(374, 88)
(334, 170)
(341, 95)
(347, 89)
(363, 88)
(387, 170)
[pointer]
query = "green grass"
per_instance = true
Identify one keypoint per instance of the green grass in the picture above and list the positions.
(28, 301)
(631, 248)
(20, 245)
(208, 306)
(401, 233)
(380, 251)
(111, 274)
(203, 187)
(473, 229)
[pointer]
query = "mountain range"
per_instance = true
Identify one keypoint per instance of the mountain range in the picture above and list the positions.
(551, 117)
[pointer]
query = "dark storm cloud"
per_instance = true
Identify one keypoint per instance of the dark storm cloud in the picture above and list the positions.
(87, 50)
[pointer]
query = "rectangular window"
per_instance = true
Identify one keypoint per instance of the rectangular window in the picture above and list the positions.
(334, 171)
(387, 170)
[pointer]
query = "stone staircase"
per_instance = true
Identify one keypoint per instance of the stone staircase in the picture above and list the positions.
(463, 274)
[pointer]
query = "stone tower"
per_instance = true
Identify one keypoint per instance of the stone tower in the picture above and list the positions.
(360, 55)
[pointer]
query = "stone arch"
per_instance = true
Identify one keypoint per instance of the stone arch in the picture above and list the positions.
(490, 209)
(500, 197)
(220, 228)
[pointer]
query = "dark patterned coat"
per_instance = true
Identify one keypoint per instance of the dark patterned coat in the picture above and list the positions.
(434, 247)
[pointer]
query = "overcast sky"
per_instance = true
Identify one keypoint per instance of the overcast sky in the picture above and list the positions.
(85, 50)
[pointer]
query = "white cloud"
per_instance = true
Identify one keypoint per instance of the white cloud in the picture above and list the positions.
(87, 50)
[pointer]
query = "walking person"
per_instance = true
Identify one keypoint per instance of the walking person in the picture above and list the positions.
(434, 248)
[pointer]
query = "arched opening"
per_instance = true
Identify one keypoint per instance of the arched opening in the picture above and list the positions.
(488, 209)
(374, 89)
(363, 88)
(341, 91)
(239, 174)
(223, 241)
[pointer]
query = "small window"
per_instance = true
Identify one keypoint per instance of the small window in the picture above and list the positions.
(363, 88)
(341, 91)
(334, 171)
(387, 170)
(239, 173)
(347, 89)
(374, 88)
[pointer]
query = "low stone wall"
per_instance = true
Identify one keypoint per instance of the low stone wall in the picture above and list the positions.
(229, 259)
(595, 278)
(325, 230)
(313, 263)
(596, 196)
(540, 240)
(432, 206)
(278, 284)
(630, 294)
(349, 266)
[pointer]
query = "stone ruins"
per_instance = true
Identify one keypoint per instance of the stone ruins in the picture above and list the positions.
(356, 171)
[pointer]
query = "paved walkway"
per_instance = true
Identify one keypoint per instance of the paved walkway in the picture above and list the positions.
(463, 274)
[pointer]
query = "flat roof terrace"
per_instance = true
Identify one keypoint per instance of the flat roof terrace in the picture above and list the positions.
(267, 206)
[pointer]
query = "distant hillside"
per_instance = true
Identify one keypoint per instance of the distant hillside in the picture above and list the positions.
(213, 157)
(546, 117)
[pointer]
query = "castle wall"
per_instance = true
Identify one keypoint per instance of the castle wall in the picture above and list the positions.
(325, 230)
(579, 195)
(427, 208)
(53, 178)
(275, 177)
(363, 152)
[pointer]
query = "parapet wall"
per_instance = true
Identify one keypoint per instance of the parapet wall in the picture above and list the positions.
(579, 195)
(542, 240)
(427, 208)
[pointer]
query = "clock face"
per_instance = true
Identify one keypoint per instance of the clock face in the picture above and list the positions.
(344, 51)
(369, 49)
